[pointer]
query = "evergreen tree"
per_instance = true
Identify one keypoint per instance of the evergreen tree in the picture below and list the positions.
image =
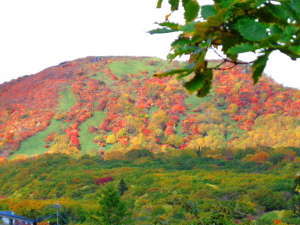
(113, 211)
(122, 187)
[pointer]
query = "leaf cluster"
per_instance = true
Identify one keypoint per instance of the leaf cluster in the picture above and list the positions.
(235, 27)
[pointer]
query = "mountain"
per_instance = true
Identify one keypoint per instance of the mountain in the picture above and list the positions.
(112, 105)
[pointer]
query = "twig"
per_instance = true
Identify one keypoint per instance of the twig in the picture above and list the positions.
(225, 60)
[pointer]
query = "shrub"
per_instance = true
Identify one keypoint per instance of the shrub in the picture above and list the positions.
(136, 154)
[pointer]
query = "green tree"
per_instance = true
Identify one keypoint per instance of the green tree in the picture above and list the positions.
(296, 195)
(113, 211)
(122, 187)
(217, 218)
(233, 26)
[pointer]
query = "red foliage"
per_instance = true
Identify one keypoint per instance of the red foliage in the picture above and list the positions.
(178, 109)
(103, 180)
(50, 138)
(92, 129)
(75, 140)
(169, 130)
(146, 131)
(123, 140)
(27, 105)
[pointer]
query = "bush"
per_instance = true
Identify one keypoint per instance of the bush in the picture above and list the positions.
(136, 154)
(271, 200)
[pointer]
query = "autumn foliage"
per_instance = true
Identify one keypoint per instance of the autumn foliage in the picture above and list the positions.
(144, 112)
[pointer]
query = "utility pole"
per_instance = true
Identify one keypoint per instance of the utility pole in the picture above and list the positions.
(57, 206)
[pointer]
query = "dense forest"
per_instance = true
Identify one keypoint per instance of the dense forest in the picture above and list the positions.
(178, 188)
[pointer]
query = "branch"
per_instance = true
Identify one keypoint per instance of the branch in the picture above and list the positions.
(225, 60)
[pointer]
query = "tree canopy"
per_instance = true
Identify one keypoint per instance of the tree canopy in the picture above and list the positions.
(235, 27)
(113, 211)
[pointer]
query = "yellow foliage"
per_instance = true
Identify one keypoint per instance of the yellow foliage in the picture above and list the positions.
(98, 138)
(213, 186)
(61, 145)
(167, 148)
(2, 143)
(111, 139)
(157, 119)
(121, 133)
(113, 155)
(158, 132)
(174, 140)
(133, 123)
(232, 108)
(207, 142)
(137, 142)
(20, 157)
(271, 130)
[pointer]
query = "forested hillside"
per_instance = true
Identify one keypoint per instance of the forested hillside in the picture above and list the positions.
(73, 130)
(178, 189)
(112, 105)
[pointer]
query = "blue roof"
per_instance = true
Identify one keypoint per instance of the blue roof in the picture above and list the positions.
(10, 215)
(10, 212)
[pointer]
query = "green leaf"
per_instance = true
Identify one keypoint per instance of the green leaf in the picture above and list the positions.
(275, 33)
(259, 66)
(207, 84)
(279, 11)
(182, 50)
(275, 30)
(224, 3)
(205, 90)
(190, 68)
(295, 4)
(173, 72)
(200, 81)
(161, 31)
(173, 26)
(207, 11)
(259, 2)
(189, 27)
(240, 48)
(288, 33)
(181, 41)
(295, 50)
(159, 3)
(251, 30)
(183, 46)
(191, 10)
(196, 83)
(174, 4)
(185, 2)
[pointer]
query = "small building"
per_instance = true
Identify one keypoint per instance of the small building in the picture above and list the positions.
(10, 218)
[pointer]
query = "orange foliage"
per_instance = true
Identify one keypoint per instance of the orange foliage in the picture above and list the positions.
(143, 111)
(259, 157)
(2, 159)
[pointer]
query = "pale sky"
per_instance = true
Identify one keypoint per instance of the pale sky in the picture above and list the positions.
(36, 34)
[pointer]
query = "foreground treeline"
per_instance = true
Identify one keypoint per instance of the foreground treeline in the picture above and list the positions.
(180, 187)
